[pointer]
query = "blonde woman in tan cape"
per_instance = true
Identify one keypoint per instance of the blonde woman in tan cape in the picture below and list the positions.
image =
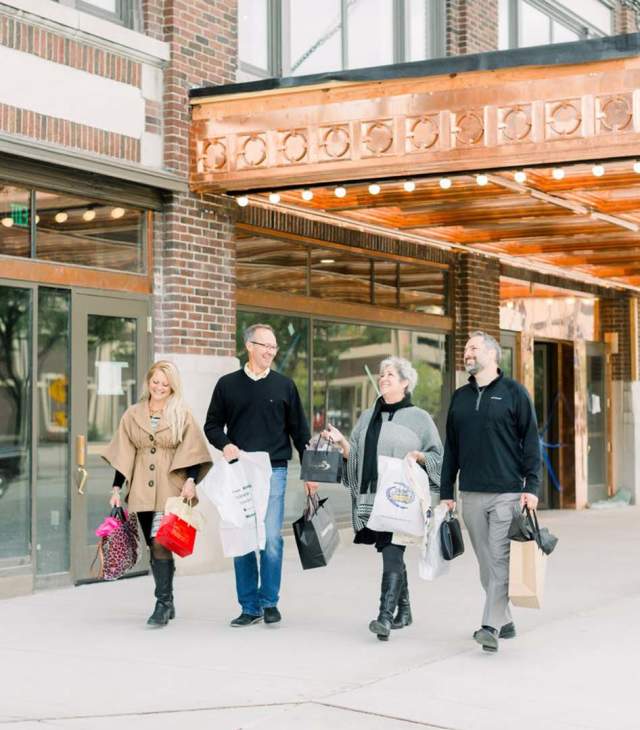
(159, 452)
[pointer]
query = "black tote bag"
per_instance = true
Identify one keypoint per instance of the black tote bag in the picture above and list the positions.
(316, 534)
(321, 466)
(451, 537)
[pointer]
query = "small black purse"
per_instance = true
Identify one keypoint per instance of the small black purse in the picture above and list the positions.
(321, 466)
(451, 540)
(524, 527)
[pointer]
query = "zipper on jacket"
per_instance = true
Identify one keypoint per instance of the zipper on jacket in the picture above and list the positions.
(479, 398)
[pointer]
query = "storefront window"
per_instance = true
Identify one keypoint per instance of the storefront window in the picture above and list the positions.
(253, 33)
(315, 36)
(369, 19)
(338, 276)
(15, 221)
(15, 422)
(272, 265)
(52, 496)
(75, 230)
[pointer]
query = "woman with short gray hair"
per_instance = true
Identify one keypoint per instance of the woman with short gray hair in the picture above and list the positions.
(393, 427)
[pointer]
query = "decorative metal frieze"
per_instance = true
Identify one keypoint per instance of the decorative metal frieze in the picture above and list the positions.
(393, 128)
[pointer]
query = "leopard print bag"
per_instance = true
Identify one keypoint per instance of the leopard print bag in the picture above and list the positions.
(118, 551)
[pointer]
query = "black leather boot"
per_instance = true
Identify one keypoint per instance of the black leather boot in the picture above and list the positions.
(163, 571)
(403, 616)
(389, 593)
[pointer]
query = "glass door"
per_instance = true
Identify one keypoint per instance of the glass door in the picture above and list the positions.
(597, 443)
(110, 357)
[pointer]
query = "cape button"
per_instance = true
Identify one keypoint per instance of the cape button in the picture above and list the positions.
(151, 483)
(152, 467)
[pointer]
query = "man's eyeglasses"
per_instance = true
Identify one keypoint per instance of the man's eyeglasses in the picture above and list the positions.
(268, 348)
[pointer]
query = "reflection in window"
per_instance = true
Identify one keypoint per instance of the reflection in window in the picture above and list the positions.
(75, 230)
(271, 265)
(423, 288)
(369, 19)
(339, 276)
(52, 496)
(14, 221)
(315, 36)
(15, 422)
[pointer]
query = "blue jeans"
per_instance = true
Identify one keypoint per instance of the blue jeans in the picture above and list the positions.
(257, 592)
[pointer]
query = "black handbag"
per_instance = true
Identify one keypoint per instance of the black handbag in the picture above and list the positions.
(321, 465)
(451, 540)
(524, 527)
(316, 534)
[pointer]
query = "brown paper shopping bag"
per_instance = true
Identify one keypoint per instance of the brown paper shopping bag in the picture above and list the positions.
(527, 567)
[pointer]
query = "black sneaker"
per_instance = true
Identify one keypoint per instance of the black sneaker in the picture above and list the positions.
(272, 615)
(245, 619)
(487, 637)
(508, 631)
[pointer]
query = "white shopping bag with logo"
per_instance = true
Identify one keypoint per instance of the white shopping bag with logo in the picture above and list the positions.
(240, 492)
(431, 564)
(402, 497)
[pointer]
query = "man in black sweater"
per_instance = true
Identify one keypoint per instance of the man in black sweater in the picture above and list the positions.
(258, 409)
(492, 442)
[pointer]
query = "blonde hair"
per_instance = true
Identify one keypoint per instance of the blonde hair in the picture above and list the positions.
(175, 411)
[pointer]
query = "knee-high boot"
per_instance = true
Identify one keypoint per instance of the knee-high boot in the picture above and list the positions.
(389, 593)
(163, 571)
(403, 616)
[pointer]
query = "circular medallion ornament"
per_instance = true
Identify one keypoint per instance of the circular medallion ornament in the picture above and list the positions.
(294, 146)
(565, 119)
(254, 151)
(470, 128)
(517, 124)
(336, 142)
(616, 113)
(216, 155)
(378, 138)
(424, 133)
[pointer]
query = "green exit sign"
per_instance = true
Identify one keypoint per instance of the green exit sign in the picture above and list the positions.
(20, 215)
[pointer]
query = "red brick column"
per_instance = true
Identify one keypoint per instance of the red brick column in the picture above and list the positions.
(477, 300)
(472, 26)
(615, 317)
(625, 19)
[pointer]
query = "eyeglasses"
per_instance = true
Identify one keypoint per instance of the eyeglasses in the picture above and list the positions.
(268, 348)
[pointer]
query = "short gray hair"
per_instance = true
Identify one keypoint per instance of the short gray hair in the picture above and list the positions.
(490, 342)
(250, 331)
(404, 368)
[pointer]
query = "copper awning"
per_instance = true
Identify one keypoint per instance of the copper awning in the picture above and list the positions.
(545, 114)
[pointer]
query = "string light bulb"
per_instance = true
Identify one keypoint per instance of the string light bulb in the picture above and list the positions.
(557, 173)
(409, 186)
(89, 215)
(61, 217)
(636, 167)
(374, 189)
(274, 198)
(7, 222)
(307, 194)
(445, 183)
(242, 201)
(482, 180)
(118, 213)
(340, 191)
(598, 170)
(520, 176)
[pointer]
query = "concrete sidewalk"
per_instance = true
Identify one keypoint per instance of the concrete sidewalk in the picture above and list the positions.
(82, 658)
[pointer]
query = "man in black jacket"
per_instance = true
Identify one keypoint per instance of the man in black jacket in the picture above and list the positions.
(258, 409)
(492, 443)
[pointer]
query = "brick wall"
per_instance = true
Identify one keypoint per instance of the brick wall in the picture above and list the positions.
(472, 26)
(477, 300)
(194, 257)
(625, 18)
(614, 317)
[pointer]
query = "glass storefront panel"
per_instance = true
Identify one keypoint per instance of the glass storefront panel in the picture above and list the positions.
(52, 403)
(15, 238)
(15, 422)
(75, 230)
(596, 423)
(367, 20)
(268, 264)
(340, 277)
(422, 288)
(111, 389)
(253, 33)
(315, 38)
(534, 26)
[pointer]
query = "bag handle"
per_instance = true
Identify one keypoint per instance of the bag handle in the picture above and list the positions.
(312, 506)
(532, 517)
(118, 513)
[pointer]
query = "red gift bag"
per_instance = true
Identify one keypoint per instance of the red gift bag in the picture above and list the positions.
(176, 535)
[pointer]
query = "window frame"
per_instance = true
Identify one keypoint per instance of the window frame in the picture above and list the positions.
(279, 52)
(127, 12)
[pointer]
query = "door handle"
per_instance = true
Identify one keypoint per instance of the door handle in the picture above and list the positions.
(81, 473)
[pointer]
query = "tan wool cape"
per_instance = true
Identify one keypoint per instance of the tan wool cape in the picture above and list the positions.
(153, 464)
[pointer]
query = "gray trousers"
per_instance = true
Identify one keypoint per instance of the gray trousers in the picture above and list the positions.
(487, 517)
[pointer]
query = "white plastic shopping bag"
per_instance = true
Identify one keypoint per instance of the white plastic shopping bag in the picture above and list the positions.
(240, 491)
(431, 564)
(402, 497)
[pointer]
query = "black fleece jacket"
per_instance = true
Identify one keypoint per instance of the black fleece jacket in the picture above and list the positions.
(492, 440)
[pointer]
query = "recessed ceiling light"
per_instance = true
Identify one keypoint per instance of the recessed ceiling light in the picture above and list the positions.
(409, 186)
(118, 212)
(557, 173)
(598, 170)
(636, 167)
(89, 215)
(374, 188)
(307, 194)
(520, 176)
(340, 191)
(482, 179)
(274, 198)
(327, 261)
(61, 217)
(242, 201)
(445, 183)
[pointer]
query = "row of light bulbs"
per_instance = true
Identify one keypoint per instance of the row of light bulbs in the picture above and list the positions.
(62, 216)
(520, 176)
